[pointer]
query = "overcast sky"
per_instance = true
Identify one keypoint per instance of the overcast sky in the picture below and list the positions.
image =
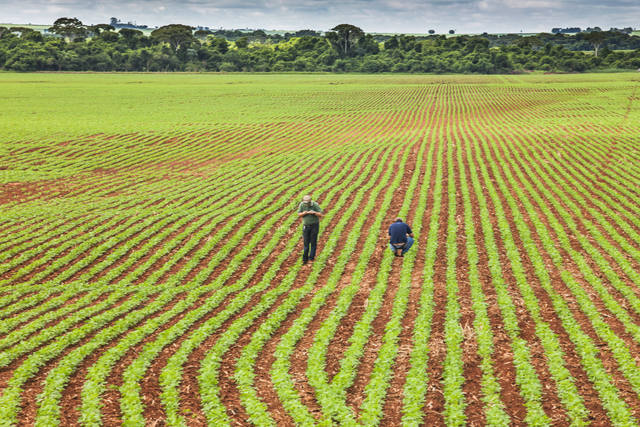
(398, 16)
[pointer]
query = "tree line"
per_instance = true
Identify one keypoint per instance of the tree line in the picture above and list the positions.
(71, 46)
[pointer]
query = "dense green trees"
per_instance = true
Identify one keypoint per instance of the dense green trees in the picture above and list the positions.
(76, 47)
(71, 28)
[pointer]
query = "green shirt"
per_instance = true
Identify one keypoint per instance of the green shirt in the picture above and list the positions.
(309, 218)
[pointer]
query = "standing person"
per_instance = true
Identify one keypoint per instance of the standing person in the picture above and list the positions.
(311, 213)
(401, 237)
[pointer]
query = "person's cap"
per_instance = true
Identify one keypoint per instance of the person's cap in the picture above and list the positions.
(398, 219)
(306, 198)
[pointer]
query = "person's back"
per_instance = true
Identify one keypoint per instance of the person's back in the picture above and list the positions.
(400, 237)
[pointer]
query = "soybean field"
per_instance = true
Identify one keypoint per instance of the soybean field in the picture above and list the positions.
(150, 250)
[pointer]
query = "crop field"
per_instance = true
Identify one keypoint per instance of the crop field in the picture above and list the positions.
(150, 250)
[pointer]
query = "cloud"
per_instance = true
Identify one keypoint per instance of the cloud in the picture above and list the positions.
(408, 16)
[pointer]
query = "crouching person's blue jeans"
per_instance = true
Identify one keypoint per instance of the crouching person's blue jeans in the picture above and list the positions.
(406, 247)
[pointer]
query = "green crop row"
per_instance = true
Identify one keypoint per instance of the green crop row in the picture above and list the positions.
(617, 409)
(280, 375)
(209, 371)
(245, 373)
(332, 396)
(415, 388)
(617, 346)
(371, 409)
(198, 288)
(131, 405)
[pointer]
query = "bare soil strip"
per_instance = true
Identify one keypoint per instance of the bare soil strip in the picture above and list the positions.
(355, 394)
(434, 402)
(572, 360)
(611, 263)
(264, 385)
(610, 364)
(393, 404)
(151, 389)
(33, 388)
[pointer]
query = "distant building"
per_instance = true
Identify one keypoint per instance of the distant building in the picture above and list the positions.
(570, 30)
(116, 23)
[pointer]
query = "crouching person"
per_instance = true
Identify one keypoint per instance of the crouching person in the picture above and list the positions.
(400, 237)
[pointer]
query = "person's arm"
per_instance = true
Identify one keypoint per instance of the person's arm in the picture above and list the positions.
(409, 231)
(301, 213)
(317, 211)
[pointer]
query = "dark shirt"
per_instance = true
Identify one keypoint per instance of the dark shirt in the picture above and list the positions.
(398, 232)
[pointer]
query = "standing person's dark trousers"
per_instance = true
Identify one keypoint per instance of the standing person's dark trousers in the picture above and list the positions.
(310, 235)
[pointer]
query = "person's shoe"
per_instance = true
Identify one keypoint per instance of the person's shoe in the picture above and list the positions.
(401, 255)
(304, 261)
(311, 259)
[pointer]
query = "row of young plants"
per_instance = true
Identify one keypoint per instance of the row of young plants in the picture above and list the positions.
(152, 236)
(527, 378)
(35, 234)
(612, 242)
(85, 230)
(375, 392)
(48, 403)
(595, 255)
(565, 279)
(25, 341)
(18, 292)
(379, 381)
(196, 259)
(618, 347)
(617, 171)
(417, 378)
(574, 163)
(280, 370)
(135, 158)
(617, 206)
(245, 368)
(453, 367)
(95, 386)
(157, 226)
(494, 408)
(24, 297)
(11, 397)
(31, 259)
(352, 356)
(131, 404)
(613, 194)
(577, 191)
(51, 301)
(209, 371)
(566, 389)
(89, 294)
(616, 408)
(331, 395)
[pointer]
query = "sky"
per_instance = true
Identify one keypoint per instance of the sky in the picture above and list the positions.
(380, 16)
